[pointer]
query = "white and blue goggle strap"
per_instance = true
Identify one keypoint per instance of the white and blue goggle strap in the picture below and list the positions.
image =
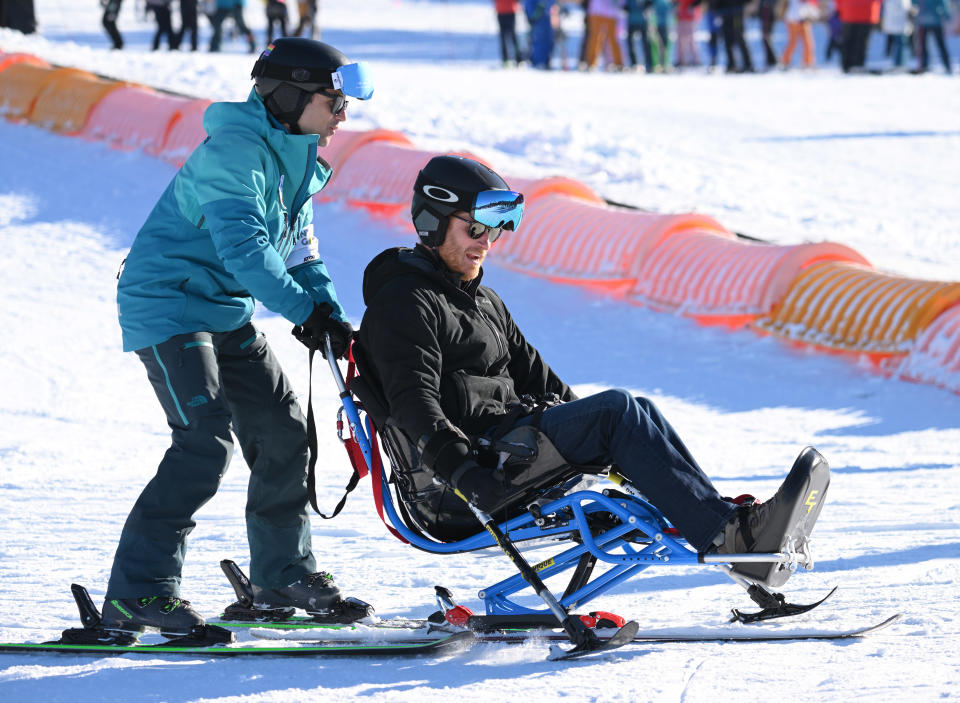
(355, 80)
(498, 208)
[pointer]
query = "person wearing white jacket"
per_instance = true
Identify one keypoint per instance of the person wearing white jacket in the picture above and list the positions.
(896, 24)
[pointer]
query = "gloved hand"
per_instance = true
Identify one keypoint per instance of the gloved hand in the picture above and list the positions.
(310, 333)
(447, 454)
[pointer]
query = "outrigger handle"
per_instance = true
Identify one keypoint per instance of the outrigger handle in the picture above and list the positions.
(349, 407)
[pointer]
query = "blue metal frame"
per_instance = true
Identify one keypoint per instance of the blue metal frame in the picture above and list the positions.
(658, 547)
(627, 556)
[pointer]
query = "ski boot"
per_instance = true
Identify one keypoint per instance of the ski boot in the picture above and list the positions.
(783, 522)
(173, 617)
(317, 594)
(124, 620)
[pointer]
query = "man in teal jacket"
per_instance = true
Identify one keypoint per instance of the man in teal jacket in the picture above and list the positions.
(234, 226)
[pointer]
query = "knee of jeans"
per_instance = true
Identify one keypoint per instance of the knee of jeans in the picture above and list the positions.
(617, 401)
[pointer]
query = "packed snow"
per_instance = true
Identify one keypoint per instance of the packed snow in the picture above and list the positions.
(869, 161)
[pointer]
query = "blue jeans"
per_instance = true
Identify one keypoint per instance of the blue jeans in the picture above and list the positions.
(613, 427)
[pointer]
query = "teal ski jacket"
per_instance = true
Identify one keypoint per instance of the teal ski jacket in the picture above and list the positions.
(233, 226)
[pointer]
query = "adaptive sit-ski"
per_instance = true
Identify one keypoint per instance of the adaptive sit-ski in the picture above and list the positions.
(615, 526)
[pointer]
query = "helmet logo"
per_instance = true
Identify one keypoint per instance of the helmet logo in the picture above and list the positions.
(441, 194)
(300, 74)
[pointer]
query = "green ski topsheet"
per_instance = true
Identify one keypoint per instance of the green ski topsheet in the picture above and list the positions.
(454, 641)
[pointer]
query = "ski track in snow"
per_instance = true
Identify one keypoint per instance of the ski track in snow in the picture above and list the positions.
(870, 162)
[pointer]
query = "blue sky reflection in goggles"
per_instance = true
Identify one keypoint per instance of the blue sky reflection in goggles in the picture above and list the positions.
(498, 208)
(355, 80)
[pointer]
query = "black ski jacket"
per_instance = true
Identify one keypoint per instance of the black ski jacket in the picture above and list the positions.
(446, 350)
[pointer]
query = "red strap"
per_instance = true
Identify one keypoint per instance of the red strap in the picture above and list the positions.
(376, 476)
(355, 455)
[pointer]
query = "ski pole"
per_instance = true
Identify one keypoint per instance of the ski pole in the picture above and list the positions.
(582, 637)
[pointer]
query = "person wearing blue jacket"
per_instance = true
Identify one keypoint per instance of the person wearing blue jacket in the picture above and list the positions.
(931, 14)
(541, 19)
(234, 225)
(223, 10)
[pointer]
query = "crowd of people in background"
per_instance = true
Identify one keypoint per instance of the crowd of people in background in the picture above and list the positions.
(218, 13)
(657, 35)
(661, 35)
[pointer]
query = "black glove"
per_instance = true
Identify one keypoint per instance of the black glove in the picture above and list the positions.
(311, 332)
(447, 454)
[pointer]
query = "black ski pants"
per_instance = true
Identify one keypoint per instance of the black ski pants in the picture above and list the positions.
(188, 23)
(507, 21)
(209, 384)
(110, 12)
(164, 27)
(937, 33)
(733, 40)
(221, 14)
(634, 31)
(853, 45)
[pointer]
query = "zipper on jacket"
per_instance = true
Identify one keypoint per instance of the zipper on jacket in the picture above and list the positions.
(299, 199)
(501, 345)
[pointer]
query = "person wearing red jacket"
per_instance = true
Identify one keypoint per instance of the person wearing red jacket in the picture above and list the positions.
(688, 14)
(507, 20)
(858, 17)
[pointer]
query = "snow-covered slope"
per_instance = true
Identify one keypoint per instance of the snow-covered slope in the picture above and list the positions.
(868, 161)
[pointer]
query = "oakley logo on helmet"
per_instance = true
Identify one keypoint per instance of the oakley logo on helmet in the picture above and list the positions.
(441, 194)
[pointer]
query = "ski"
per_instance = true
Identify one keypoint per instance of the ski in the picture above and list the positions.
(307, 632)
(445, 644)
(595, 645)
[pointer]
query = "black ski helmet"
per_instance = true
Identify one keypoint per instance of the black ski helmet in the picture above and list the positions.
(448, 184)
(290, 70)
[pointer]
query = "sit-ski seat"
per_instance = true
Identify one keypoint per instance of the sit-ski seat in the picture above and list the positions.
(616, 526)
(613, 526)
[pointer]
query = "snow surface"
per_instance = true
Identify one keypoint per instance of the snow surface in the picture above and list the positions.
(868, 161)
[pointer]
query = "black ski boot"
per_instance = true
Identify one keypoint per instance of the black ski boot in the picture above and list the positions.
(315, 593)
(171, 616)
(785, 519)
(128, 617)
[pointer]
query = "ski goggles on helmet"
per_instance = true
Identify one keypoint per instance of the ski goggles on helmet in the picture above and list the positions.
(355, 80)
(498, 209)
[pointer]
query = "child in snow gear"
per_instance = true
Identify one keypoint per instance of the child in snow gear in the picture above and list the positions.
(234, 225)
(456, 375)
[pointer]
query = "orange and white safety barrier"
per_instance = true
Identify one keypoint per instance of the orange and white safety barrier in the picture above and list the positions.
(849, 307)
(378, 176)
(823, 295)
(134, 117)
(722, 279)
(935, 358)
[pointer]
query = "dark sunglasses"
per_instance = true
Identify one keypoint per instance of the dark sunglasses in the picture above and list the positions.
(478, 229)
(338, 101)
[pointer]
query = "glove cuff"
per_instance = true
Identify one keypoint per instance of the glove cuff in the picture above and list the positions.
(444, 451)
